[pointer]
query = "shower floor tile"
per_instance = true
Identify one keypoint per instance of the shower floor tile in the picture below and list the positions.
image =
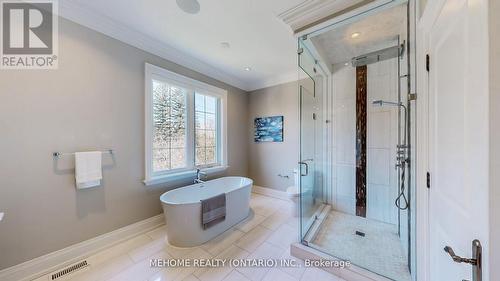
(380, 250)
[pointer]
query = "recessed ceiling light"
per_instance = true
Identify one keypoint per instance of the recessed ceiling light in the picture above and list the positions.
(248, 68)
(225, 45)
(355, 35)
(189, 6)
(346, 64)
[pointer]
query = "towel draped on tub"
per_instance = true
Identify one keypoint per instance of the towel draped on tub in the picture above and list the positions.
(213, 210)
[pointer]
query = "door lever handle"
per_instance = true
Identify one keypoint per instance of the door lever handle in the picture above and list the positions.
(459, 259)
(476, 261)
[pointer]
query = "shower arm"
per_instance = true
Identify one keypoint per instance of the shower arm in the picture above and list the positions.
(400, 104)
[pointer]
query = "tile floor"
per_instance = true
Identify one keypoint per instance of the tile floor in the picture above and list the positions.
(267, 233)
(380, 251)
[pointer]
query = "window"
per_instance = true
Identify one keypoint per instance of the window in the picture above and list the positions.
(185, 126)
(169, 126)
(206, 108)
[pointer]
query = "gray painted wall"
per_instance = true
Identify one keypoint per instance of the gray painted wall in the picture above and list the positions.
(95, 100)
(267, 160)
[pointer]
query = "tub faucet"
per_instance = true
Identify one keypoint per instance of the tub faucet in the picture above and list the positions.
(198, 176)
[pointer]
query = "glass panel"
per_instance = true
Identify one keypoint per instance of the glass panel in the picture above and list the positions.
(200, 120)
(200, 156)
(311, 139)
(206, 137)
(161, 159)
(210, 121)
(200, 138)
(199, 102)
(177, 158)
(169, 131)
(179, 139)
(210, 155)
(211, 104)
(210, 139)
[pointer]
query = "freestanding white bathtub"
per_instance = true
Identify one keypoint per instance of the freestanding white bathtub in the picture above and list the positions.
(182, 209)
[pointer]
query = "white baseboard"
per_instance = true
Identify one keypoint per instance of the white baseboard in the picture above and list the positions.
(48, 263)
(270, 192)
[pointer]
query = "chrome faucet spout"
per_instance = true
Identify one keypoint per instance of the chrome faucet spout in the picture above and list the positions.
(199, 174)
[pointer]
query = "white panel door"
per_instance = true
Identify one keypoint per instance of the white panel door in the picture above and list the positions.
(458, 136)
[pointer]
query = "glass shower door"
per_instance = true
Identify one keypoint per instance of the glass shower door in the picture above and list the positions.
(307, 164)
(311, 138)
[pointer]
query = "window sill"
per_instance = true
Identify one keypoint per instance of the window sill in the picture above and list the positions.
(182, 175)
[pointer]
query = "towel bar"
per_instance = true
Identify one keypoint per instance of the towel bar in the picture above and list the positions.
(59, 154)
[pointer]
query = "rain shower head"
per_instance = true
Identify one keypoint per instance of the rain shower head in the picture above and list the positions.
(386, 103)
(380, 55)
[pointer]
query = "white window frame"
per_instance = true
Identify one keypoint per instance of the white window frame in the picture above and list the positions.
(194, 86)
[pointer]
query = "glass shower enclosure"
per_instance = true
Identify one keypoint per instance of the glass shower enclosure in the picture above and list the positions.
(312, 92)
(356, 128)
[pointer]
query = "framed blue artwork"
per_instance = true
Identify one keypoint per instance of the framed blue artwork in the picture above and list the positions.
(268, 129)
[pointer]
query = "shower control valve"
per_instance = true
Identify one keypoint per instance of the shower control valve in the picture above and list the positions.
(401, 159)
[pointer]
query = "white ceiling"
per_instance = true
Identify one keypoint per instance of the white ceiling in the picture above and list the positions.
(255, 29)
(257, 38)
(377, 32)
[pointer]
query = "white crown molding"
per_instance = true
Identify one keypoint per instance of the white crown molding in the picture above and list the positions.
(105, 25)
(343, 16)
(275, 80)
(310, 11)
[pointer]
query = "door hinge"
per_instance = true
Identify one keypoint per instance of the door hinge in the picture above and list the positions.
(412, 97)
(428, 180)
(427, 62)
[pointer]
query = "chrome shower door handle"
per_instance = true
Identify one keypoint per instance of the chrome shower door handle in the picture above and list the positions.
(475, 261)
(307, 169)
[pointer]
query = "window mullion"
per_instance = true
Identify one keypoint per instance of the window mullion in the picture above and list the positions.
(218, 132)
(190, 142)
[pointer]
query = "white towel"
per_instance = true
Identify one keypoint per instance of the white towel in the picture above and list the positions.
(88, 169)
